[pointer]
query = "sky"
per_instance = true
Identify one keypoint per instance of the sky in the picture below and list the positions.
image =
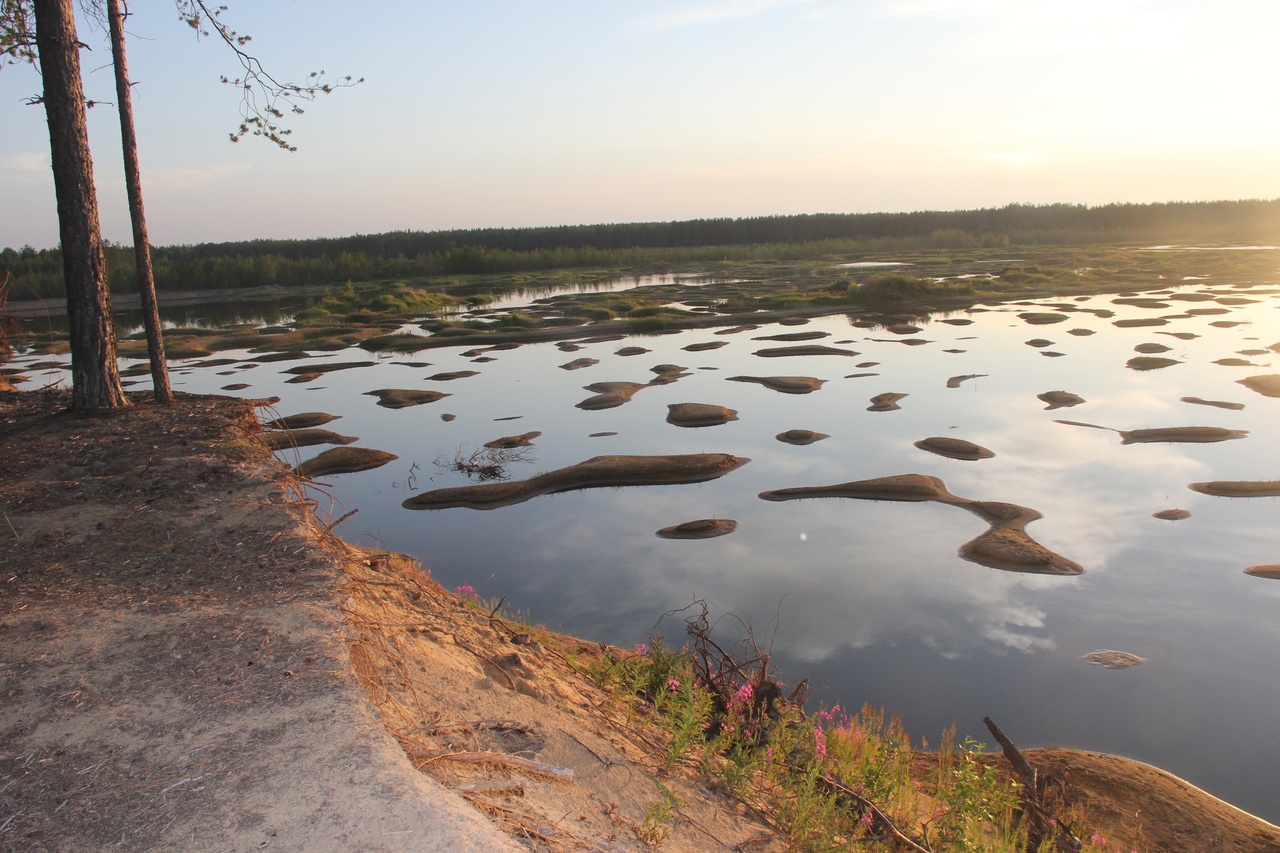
(507, 114)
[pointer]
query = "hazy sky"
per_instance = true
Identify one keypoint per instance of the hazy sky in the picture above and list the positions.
(489, 113)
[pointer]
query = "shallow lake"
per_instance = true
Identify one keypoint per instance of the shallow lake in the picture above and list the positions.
(869, 599)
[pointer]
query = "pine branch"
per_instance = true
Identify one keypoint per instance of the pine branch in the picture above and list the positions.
(264, 100)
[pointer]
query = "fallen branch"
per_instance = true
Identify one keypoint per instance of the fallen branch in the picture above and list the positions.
(473, 725)
(880, 817)
(329, 528)
(563, 773)
(1040, 822)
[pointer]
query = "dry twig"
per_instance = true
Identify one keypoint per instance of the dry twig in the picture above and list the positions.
(563, 774)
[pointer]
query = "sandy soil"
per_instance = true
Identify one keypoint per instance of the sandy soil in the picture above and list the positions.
(188, 661)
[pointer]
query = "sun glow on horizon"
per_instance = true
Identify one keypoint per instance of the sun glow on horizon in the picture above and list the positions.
(722, 108)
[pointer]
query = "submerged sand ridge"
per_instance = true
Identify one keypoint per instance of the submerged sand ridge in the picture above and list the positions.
(1005, 546)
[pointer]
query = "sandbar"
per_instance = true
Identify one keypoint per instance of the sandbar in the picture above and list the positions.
(812, 335)
(699, 414)
(1182, 435)
(807, 349)
(609, 394)
(1267, 385)
(451, 375)
(800, 437)
(305, 437)
(1268, 570)
(302, 420)
(597, 472)
(785, 384)
(1238, 488)
(703, 528)
(886, 402)
(1042, 318)
(400, 398)
(508, 442)
(342, 460)
(954, 381)
(954, 448)
(329, 367)
(1218, 404)
(1112, 659)
(1005, 545)
(1150, 362)
(1059, 399)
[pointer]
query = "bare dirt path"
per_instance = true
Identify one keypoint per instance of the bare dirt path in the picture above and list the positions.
(172, 666)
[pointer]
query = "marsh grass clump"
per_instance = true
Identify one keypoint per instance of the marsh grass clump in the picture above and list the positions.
(648, 325)
(591, 313)
(889, 287)
(899, 287)
(516, 320)
(359, 305)
(655, 311)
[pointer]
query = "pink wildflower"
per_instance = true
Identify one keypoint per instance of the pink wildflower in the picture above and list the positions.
(867, 819)
(1098, 840)
(466, 591)
(673, 683)
(641, 649)
(745, 692)
(820, 742)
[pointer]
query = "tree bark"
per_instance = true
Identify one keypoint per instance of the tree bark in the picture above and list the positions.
(133, 183)
(95, 374)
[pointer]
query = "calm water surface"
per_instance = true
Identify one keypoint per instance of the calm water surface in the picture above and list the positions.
(869, 600)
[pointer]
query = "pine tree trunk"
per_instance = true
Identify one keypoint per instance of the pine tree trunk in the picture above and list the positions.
(95, 374)
(133, 183)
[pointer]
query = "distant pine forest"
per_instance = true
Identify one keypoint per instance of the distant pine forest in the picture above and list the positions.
(415, 256)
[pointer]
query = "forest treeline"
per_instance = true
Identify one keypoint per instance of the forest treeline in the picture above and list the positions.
(409, 255)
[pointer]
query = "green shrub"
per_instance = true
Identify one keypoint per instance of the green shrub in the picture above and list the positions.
(890, 287)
